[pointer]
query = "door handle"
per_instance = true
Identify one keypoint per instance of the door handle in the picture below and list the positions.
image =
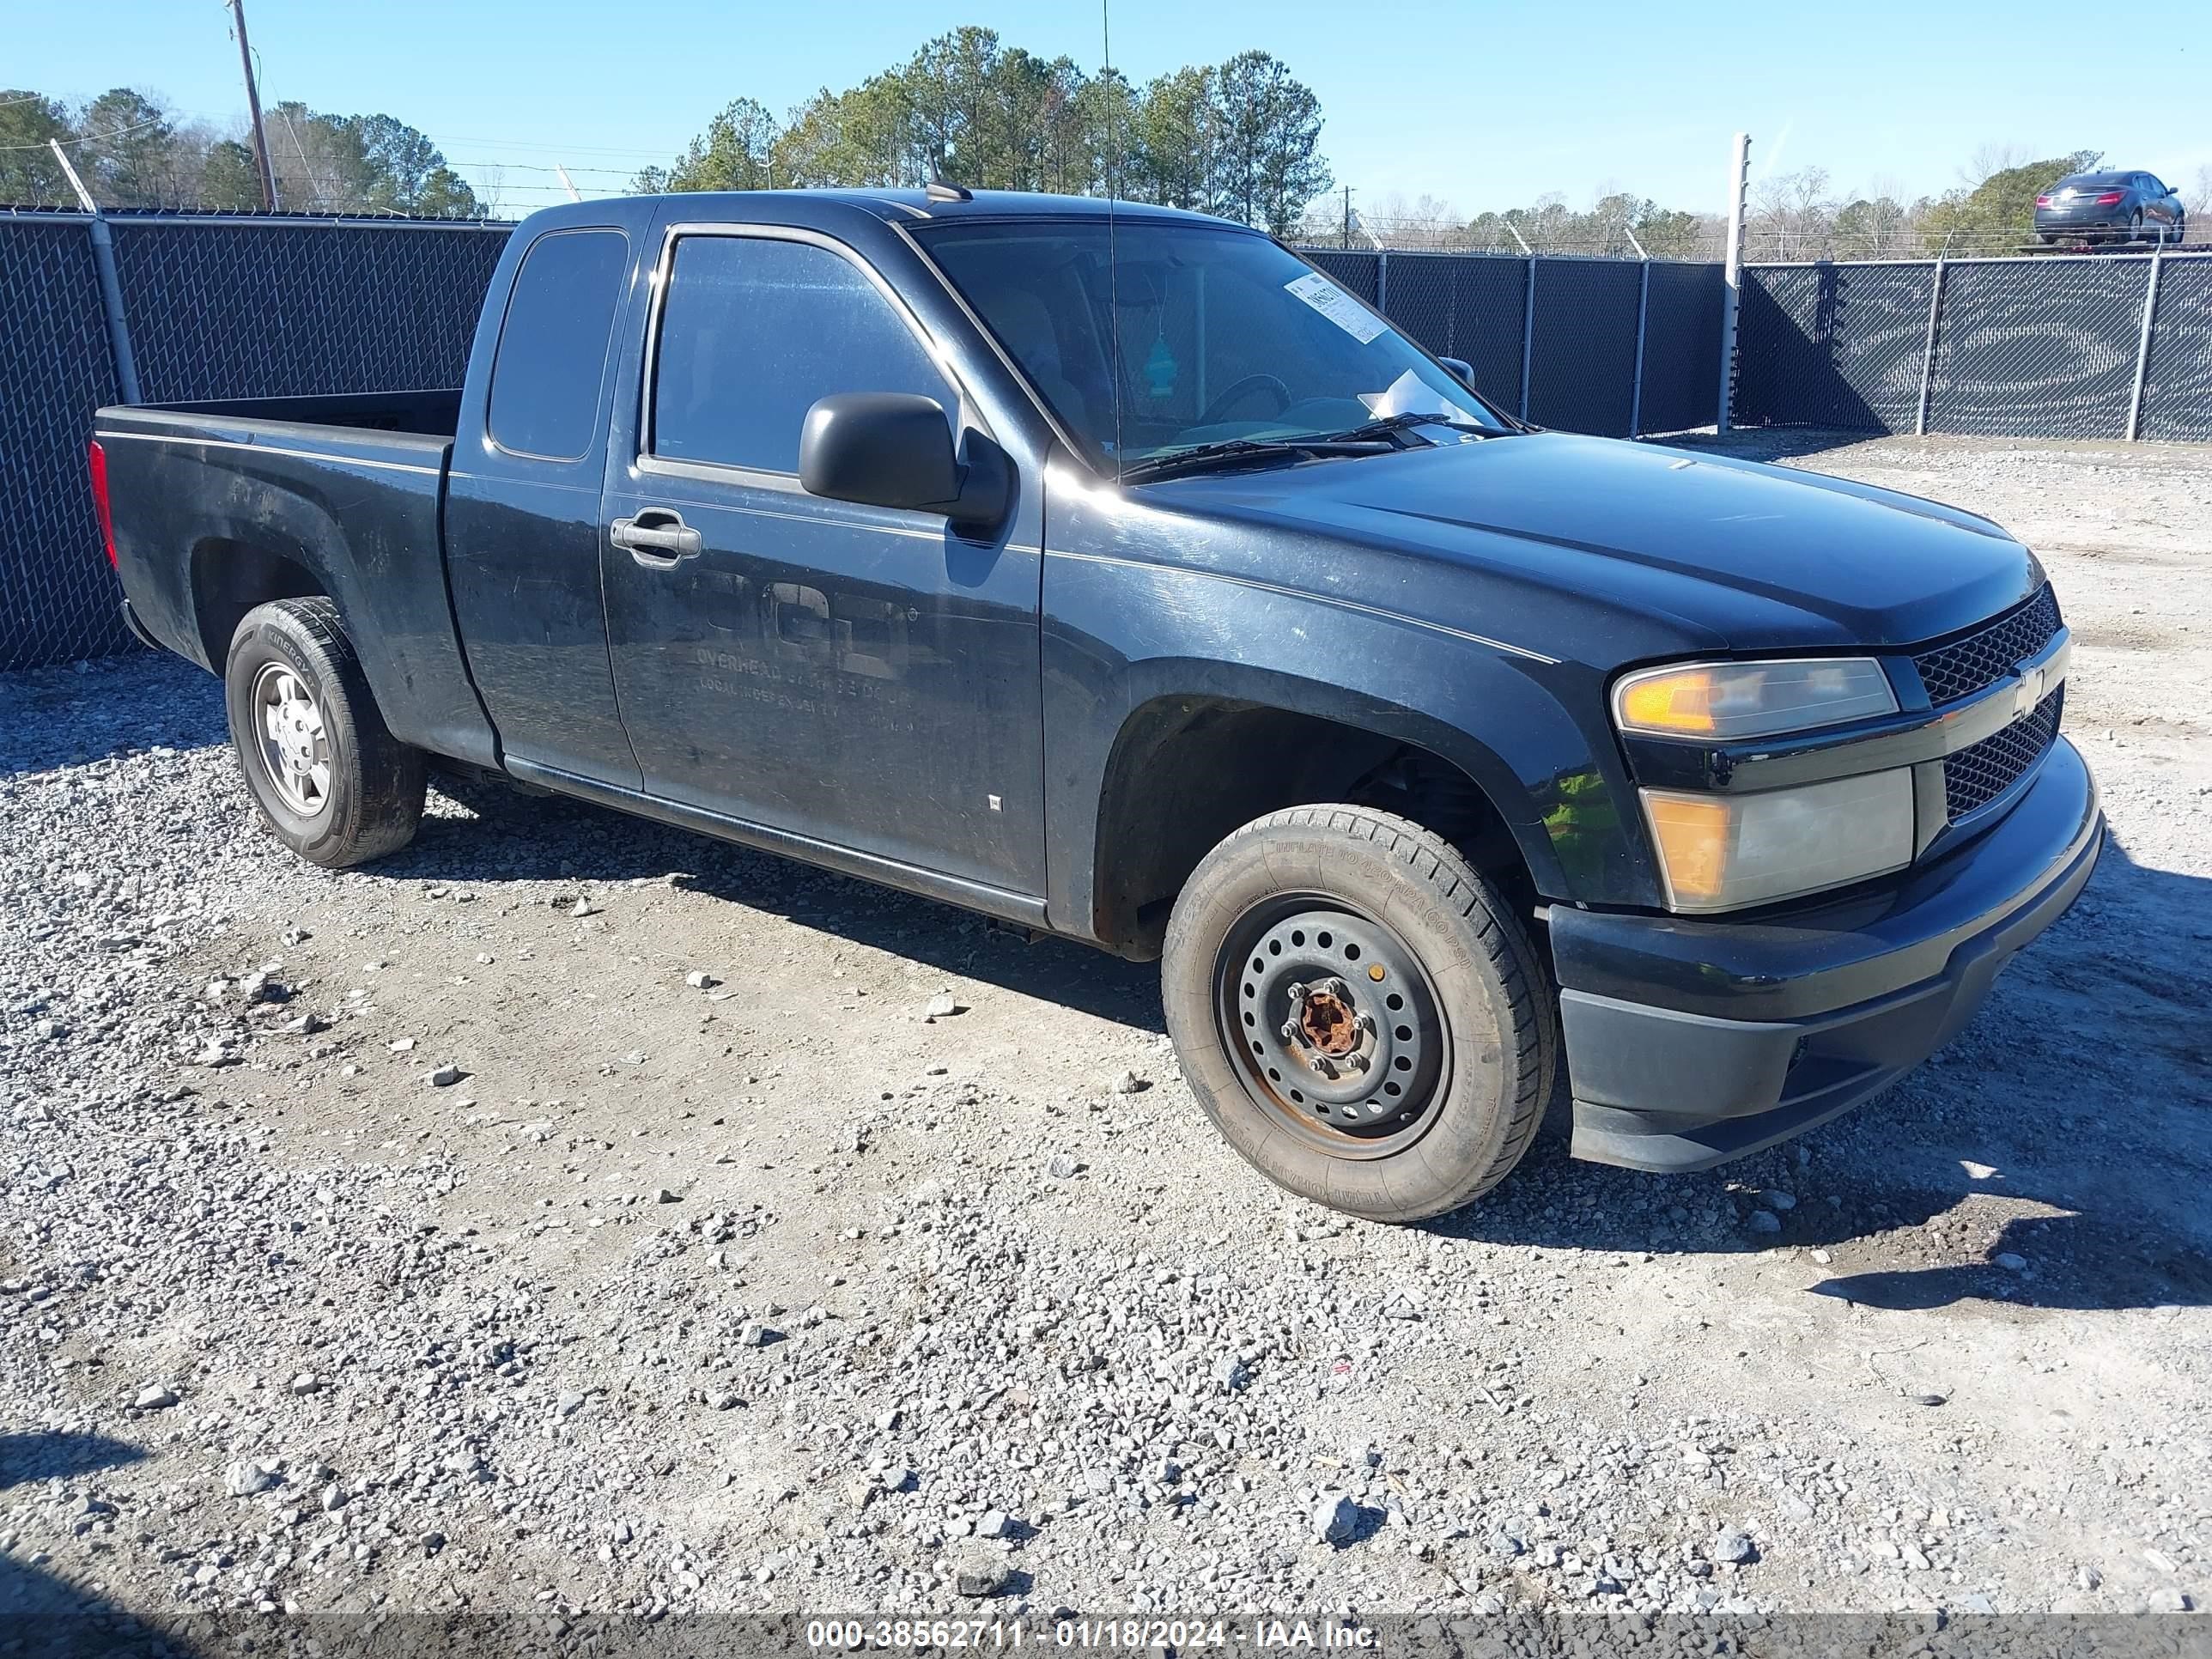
(657, 537)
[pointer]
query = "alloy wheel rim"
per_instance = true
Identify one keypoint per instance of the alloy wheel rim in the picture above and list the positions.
(293, 739)
(1333, 1024)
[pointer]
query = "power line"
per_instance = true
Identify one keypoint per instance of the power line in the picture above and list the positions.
(108, 136)
(549, 146)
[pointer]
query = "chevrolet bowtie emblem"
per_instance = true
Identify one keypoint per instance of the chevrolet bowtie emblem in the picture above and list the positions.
(2027, 691)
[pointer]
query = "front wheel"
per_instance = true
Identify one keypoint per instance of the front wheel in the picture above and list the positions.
(1358, 1012)
(333, 783)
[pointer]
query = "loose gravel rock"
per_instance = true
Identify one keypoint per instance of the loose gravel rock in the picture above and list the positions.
(887, 1326)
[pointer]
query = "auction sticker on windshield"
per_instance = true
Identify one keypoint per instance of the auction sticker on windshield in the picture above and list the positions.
(1339, 308)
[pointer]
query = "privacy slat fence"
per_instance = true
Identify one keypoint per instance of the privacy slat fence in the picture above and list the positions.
(2102, 345)
(1570, 343)
(2109, 346)
(216, 307)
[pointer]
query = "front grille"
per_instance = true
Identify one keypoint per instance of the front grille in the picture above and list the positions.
(1982, 658)
(1977, 776)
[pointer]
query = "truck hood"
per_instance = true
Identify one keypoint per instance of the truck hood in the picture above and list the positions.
(1750, 556)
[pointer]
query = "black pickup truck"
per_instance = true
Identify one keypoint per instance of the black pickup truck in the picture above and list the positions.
(1118, 575)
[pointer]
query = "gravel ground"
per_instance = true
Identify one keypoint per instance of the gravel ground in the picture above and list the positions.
(574, 1217)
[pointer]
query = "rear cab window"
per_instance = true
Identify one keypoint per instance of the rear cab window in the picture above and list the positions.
(552, 346)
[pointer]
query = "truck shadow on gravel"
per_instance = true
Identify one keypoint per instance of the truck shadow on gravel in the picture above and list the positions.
(523, 837)
(2089, 1256)
(2077, 1099)
(2082, 1024)
(42, 1615)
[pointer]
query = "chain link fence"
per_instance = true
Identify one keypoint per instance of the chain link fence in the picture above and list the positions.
(2101, 346)
(1832, 346)
(2177, 399)
(257, 310)
(1616, 347)
(1582, 344)
(57, 596)
(2106, 347)
(222, 308)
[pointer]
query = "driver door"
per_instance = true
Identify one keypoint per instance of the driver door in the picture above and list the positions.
(859, 677)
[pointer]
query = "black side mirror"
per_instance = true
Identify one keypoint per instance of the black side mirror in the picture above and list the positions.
(895, 449)
(1460, 367)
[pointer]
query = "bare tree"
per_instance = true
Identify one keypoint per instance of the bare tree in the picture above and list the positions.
(1791, 214)
(1425, 221)
(1993, 157)
(491, 191)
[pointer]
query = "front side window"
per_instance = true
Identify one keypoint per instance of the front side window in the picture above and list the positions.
(755, 329)
(1151, 338)
(553, 343)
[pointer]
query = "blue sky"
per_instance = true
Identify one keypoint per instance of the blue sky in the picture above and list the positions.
(1477, 102)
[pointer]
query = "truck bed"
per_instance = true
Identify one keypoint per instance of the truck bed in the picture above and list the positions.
(430, 414)
(221, 505)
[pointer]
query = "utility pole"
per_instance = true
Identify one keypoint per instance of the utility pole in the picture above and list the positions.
(1347, 216)
(253, 107)
(1732, 275)
(569, 184)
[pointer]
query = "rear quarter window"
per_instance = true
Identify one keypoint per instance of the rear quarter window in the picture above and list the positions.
(553, 343)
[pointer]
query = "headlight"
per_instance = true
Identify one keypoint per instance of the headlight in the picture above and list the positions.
(1722, 852)
(1725, 701)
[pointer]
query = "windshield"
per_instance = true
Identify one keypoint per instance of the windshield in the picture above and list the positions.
(1222, 336)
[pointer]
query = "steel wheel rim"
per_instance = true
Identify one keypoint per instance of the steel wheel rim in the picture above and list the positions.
(1308, 976)
(292, 738)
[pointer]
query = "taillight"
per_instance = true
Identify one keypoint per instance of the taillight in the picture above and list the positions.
(96, 460)
(2110, 199)
(2042, 201)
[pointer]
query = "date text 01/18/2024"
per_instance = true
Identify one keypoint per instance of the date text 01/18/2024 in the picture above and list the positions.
(1125, 1634)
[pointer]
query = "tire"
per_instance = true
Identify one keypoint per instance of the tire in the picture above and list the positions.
(2134, 227)
(351, 792)
(1451, 1081)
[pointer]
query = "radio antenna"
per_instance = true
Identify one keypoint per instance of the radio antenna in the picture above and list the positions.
(1112, 253)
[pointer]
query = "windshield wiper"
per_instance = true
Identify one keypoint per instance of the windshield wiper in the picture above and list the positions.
(1391, 424)
(1229, 450)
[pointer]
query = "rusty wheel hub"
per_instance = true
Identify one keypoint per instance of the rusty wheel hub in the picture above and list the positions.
(1335, 1021)
(1326, 1021)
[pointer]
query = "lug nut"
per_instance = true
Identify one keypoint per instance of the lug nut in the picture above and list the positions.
(1322, 1067)
(1338, 988)
(1357, 1062)
(1289, 1030)
(1297, 992)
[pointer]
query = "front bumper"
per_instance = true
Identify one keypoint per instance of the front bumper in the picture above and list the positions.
(1690, 1043)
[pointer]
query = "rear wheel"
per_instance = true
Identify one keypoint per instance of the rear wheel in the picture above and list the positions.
(333, 783)
(1358, 1012)
(2135, 226)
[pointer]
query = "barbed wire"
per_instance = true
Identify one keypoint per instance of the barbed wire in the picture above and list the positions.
(71, 208)
(1766, 245)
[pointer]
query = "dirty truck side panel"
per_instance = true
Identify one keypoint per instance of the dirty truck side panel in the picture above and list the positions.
(1143, 604)
(225, 510)
(524, 529)
(838, 674)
